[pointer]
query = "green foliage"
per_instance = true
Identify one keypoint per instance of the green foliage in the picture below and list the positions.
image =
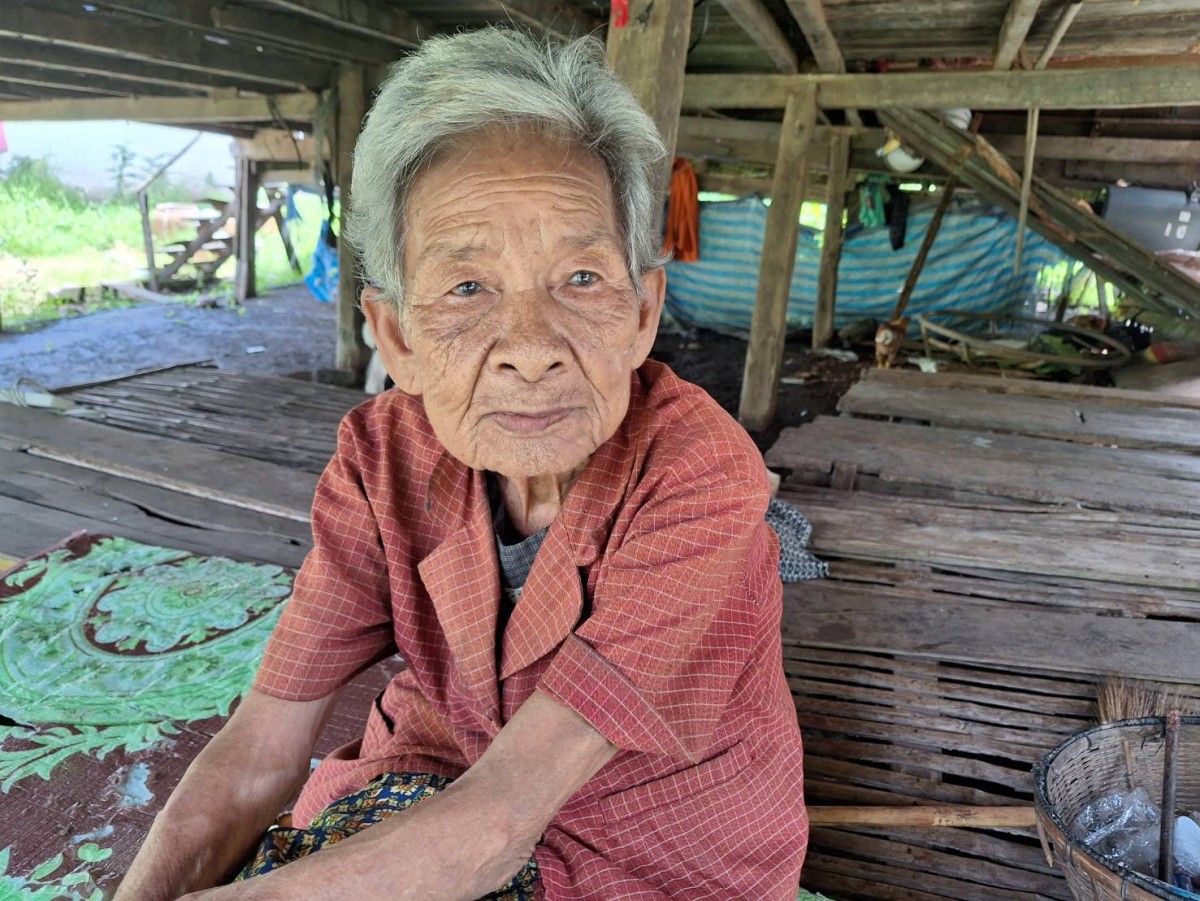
(42, 217)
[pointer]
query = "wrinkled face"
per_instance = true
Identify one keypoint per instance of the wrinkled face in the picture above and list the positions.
(521, 325)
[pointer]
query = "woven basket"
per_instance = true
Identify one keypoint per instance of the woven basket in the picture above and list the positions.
(1116, 757)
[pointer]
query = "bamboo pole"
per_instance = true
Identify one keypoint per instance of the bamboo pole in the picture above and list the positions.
(924, 815)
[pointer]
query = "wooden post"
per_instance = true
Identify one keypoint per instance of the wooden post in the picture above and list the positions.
(768, 327)
(831, 247)
(649, 53)
(351, 109)
(246, 216)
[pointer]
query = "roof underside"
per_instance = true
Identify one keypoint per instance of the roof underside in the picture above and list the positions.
(61, 49)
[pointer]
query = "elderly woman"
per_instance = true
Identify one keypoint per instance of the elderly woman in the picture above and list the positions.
(563, 541)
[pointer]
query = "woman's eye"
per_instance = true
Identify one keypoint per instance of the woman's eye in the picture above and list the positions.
(467, 289)
(584, 279)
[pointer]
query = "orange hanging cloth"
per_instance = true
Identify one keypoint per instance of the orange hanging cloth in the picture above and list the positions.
(683, 214)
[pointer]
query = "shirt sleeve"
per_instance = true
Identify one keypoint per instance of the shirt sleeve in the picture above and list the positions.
(674, 619)
(338, 621)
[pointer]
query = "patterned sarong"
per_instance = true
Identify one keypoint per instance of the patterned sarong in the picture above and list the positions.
(389, 794)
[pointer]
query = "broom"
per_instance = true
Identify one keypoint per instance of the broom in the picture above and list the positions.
(1124, 699)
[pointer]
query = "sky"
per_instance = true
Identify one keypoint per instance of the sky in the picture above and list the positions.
(83, 153)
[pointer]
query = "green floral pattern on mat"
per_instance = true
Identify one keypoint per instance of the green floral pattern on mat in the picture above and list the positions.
(810, 896)
(133, 640)
(50, 881)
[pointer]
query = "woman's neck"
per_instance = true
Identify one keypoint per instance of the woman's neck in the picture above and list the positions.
(533, 503)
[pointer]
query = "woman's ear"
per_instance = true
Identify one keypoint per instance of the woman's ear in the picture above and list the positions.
(398, 358)
(654, 292)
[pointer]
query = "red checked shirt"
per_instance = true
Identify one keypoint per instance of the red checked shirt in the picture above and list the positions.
(653, 610)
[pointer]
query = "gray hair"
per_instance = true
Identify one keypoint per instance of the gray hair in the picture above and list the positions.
(458, 84)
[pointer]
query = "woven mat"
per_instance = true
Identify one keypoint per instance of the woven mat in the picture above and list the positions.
(118, 661)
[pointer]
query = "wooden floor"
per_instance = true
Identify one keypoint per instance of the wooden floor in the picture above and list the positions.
(997, 547)
(199, 459)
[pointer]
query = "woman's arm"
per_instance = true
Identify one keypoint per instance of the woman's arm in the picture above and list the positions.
(232, 791)
(468, 840)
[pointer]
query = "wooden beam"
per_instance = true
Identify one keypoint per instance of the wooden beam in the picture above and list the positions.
(246, 216)
(1102, 149)
(549, 16)
(762, 28)
(90, 83)
(276, 145)
(1048, 89)
(166, 110)
(649, 54)
(1013, 31)
(175, 45)
(810, 16)
(768, 325)
(84, 62)
(831, 242)
(351, 110)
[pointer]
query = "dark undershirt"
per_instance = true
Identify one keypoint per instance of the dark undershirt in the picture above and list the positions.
(516, 555)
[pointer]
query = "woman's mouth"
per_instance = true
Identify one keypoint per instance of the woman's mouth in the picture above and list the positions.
(530, 423)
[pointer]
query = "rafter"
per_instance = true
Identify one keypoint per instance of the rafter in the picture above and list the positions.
(754, 19)
(810, 16)
(552, 16)
(271, 29)
(175, 45)
(382, 22)
(60, 58)
(1015, 28)
(19, 73)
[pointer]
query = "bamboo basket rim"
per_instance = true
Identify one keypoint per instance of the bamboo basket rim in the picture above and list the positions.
(967, 346)
(1047, 811)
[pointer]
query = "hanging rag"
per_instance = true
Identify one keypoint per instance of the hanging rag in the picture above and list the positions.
(682, 237)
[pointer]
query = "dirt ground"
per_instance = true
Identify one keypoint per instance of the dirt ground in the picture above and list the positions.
(289, 333)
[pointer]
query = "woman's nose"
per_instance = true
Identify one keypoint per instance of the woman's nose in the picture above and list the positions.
(529, 344)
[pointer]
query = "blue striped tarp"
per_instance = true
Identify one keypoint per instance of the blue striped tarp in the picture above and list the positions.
(970, 267)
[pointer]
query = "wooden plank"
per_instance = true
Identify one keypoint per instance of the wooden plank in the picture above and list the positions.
(22, 470)
(1018, 19)
(352, 109)
(1066, 642)
(1080, 544)
(1116, 88)
(109, 85)
(999, 384)
(1030, 469)
(174, 45)
(922, 815)
(649, 53)
(831, 243)
(165, 110)
(37, 504)
(1041, 417)
(222, 477)
(762, 28)
(768, 325)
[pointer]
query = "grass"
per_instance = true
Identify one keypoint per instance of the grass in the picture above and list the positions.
(52, 235)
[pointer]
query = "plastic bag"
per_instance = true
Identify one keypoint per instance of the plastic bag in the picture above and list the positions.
(322, 279)
(1123, 827)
